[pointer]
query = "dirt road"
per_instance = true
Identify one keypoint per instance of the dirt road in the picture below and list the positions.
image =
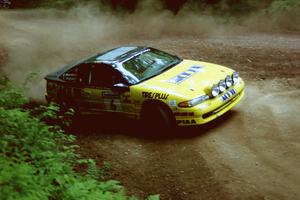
(252, 152)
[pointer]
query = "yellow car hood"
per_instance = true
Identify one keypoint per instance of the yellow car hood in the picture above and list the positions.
(188, 79)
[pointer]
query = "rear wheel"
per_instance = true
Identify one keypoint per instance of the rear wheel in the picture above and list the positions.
(157, 117)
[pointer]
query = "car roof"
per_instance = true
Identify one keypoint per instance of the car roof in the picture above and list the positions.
(111, 56)
(117, 55)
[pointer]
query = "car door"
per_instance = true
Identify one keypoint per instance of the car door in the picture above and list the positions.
(89, 88)
(99, 95)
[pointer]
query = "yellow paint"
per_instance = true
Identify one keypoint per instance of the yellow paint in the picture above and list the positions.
(195, 79)
(197, 84)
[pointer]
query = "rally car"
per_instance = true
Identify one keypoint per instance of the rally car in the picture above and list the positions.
(148, 84)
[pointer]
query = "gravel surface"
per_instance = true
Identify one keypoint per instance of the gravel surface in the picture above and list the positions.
(252, 152)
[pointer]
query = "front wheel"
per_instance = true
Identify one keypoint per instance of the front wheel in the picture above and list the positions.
(157, 117)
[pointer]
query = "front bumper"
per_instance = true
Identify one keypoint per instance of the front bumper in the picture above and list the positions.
(212, 108)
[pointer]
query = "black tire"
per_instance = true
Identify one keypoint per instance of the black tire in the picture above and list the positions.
(157, 117)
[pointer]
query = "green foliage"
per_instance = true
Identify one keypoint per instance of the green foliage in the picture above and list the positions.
(54, 114)
(283, 14)
(224, 8)
(37, 160)
(10, 95)
(41, 156)
(153, 197)
(284, 6)
(59, 3)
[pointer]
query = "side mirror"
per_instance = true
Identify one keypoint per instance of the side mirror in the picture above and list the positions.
(120, 87)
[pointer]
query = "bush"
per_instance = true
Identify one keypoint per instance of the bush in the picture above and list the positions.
(37, 160)
(10, 95)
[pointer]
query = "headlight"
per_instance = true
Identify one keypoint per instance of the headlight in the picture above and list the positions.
(193, 102)
(228, 81)
(222, 85)
(235, 77)
(215, 90)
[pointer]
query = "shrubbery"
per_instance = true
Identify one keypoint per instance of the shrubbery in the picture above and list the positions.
(229, 6)
(37, 160)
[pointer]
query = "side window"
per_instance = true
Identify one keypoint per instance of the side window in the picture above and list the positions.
(103, 75)
(78, 75)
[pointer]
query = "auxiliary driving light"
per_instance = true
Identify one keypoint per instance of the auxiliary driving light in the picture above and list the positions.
(215, 90)
(228, 81)
(235, 77)
(222, 85)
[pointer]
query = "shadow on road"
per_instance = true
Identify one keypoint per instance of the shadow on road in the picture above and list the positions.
(91, 125)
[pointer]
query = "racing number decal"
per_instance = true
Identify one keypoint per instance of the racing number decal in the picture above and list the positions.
(112, 105)
(111, 101)
(96, 99)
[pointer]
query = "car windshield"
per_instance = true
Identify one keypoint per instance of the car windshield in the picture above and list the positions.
(148, 64)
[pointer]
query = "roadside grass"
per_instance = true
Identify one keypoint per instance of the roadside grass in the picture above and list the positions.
(38, 160)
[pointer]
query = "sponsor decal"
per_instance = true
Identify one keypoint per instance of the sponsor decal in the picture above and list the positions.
(154, 95)
(110, 95)
(186, 121)
(112, 105)
(228, 94)
(186, 74)
(172, 103)
(69, 76)
(183, 113)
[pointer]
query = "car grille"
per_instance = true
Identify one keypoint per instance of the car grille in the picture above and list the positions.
(215, 111)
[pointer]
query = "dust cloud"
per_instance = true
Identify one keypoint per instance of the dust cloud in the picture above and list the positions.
(41, 40)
